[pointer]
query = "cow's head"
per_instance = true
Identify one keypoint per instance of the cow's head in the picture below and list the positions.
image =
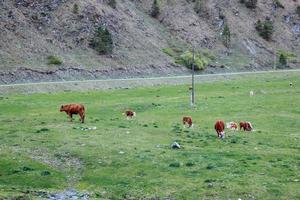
(222, 134)
(62, 108)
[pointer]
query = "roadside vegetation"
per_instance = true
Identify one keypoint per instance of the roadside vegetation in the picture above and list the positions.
(284, 57)
(54, 60)
(185, 58)
(42, 152)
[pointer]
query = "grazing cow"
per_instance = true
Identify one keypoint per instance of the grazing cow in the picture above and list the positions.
(129, 114)
(246, 126)
(187, 121)
(232, 125)
(219, 127)
(75, 109)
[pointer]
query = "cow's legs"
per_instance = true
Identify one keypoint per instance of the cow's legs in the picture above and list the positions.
(71, 116)
(82, 117)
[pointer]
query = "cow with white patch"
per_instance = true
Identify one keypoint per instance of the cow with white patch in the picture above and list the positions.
(246, 126)
(232, 126)
(187, 121)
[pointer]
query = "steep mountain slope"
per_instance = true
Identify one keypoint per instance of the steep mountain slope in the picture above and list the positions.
(33, 30)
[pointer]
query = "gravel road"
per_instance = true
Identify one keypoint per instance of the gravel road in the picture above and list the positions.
(46, 87)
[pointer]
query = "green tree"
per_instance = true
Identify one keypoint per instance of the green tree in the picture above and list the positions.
(251, 4)
(112, 3)
(102, 41)
(298, 10)
(265, 29)
(282, 60)
(198, 6)
(226, 36)
(284, 57)
(155, 10)
(75, 8)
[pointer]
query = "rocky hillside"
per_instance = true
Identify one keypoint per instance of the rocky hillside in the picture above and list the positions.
(33, 30)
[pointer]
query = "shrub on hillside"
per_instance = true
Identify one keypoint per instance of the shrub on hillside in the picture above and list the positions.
(102, 41)
(75, 8)
(54, 60)
(155, 10)
(265, 29)
(278, 4)
(198, 6)
(226, 38)
(284, 57)
(298, 10)
(249, 3)
(112, 3)
(186, 59)
(282, 60)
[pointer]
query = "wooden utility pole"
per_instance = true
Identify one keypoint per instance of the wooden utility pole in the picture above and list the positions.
(193, 79)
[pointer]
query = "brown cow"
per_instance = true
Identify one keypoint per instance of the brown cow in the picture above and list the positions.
(129, 114)
(75, 109)
(219, 127)
(246, 126)
(187, 121)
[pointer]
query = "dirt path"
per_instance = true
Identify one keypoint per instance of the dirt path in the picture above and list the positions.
(60, 86)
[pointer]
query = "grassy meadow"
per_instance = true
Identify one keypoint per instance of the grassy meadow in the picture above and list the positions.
(42, 152)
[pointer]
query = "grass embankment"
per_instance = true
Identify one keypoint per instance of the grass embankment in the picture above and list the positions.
(42, 150)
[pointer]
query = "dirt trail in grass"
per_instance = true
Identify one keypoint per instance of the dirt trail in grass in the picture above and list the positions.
(46, 87)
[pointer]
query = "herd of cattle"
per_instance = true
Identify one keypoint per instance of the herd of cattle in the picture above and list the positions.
(74, 109)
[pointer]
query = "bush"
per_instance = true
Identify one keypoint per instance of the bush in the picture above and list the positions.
(169, 52)
(278, 4)
(174, 164)
(155, 10)
(285, 57)
(226, 36)
(102, 41)
(75, 8)
(265, 29)
(249, 3)
(198, 6)
(186, 59)
(298, 10)
(112, 3)
(282, 60)
(54, 60)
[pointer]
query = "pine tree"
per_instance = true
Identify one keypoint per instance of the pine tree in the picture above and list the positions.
(282, 60)
(155, 9)
(251, 4)
(112, 3)
(102, 41)
(226, 36)
(198, 6)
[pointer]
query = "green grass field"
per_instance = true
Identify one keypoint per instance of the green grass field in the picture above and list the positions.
(42, 151)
